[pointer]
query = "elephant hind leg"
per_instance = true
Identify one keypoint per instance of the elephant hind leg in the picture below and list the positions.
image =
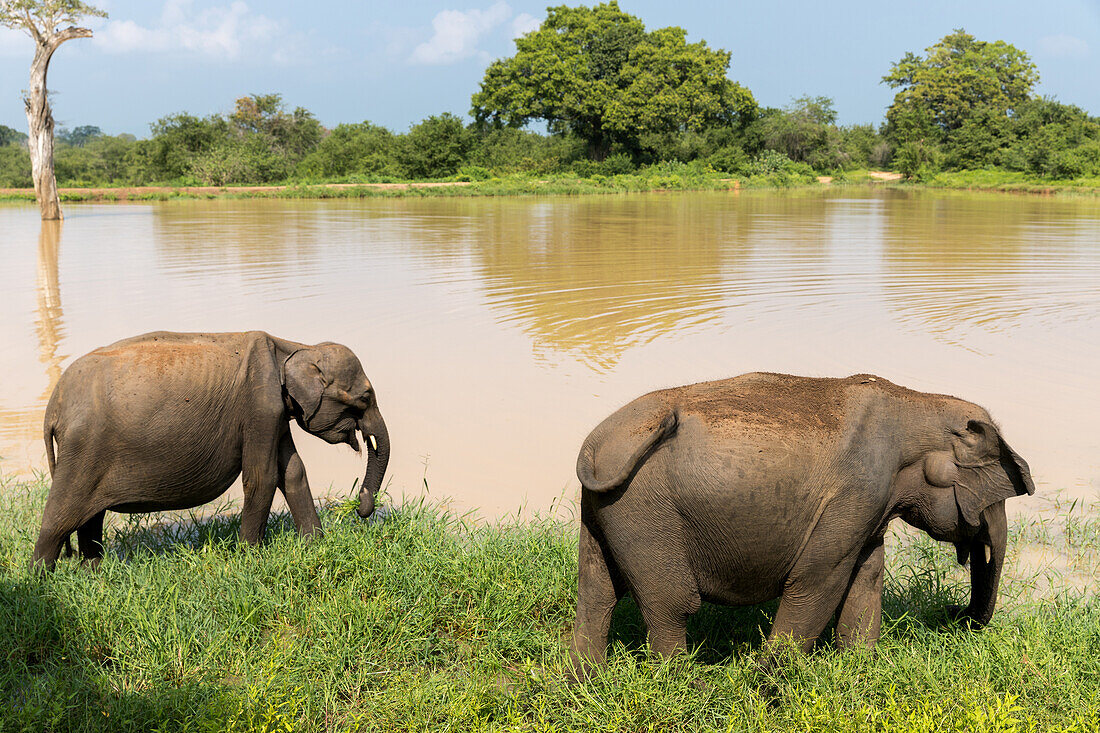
(67, 510)
(48, 548)
(599, 588)
(90, 537)
(56, 532)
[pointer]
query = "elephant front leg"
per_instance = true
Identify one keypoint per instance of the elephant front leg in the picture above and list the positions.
(260, 474)
(808, 604)
(861, 610)
(295, 487)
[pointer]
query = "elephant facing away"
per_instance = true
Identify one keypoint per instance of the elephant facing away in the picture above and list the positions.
(169, 420)
(767, 485)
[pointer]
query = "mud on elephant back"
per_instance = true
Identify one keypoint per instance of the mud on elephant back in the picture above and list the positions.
(168, 421)
(769, 486)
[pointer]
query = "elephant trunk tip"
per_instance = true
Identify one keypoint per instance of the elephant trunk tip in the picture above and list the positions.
(366, 504)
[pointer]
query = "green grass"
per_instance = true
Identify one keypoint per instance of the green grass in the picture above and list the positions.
(663, 177)
(433, 622)
(1010, 182)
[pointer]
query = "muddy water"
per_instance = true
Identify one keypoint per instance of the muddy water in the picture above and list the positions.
(499, 332)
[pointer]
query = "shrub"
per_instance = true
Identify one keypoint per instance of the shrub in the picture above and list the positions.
(15, 167)
(350, 149)
(510, 150)
(435, 148)
(473, 173)
(612, 165)
(729, 159)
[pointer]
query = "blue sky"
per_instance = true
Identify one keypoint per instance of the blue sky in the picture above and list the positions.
(394, 63)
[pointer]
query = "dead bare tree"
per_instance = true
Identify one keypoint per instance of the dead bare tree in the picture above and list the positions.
(49, 23)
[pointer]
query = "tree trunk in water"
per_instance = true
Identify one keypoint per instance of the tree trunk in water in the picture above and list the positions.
(40, 135)
(40, 121)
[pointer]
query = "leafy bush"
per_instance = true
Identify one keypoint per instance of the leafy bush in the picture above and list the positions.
(473, 173)
(353, 149)
(15, 167)
(729, 159)
(510, 150)
(612, 165)
(917, 160)
(435, 148)
(10, 135)
(682, 146)
(179, 138)
(767, 163)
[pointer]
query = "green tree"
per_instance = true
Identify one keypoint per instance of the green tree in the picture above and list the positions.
(806, 132)
(294, 133)
(363, 149)
(15, 166)
(179, 139)
(511, 150)
(49, 23)
(596, 72)
(1049, 138)
(79, 136)
(435, 148)
(958, 76)
(9, 136)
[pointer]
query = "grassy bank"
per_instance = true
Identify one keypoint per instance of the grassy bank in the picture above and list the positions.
(432, 622)
(674, 178)
(1009, 182)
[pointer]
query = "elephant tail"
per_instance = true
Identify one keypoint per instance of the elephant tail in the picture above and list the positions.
(639, 446)
(49, 429)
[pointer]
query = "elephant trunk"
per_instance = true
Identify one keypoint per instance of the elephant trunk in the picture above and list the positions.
(987, 555)
(377, 438)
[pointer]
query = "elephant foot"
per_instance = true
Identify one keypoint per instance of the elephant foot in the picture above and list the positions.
(961, 615)
(91, 563)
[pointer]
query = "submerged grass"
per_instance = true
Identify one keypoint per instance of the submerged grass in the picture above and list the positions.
(430, 621)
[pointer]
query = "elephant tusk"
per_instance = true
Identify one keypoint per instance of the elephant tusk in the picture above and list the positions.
(988, 554)
(373, 443)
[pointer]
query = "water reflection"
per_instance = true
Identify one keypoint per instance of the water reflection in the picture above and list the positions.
(957, 263)
(499, 331)
(593, 279)
(24, 421)
(49, 325)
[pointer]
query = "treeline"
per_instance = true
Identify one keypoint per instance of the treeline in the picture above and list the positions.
(262, 142)
(968, 104)
(963, 105)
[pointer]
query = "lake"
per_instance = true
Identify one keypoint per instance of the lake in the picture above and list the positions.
(498, 332)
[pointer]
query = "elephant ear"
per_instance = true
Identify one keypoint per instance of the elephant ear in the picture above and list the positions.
(989, 471)
(305, 382)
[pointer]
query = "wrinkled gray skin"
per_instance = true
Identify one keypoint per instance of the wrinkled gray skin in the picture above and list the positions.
(766, 485)
(169, 420)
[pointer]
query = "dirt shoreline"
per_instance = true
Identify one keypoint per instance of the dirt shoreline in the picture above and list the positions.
(123, 192)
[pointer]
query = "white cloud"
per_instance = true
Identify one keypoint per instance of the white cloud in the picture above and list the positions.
(524, 23)
(457, 32)
(218, 32)
(1063, 45)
